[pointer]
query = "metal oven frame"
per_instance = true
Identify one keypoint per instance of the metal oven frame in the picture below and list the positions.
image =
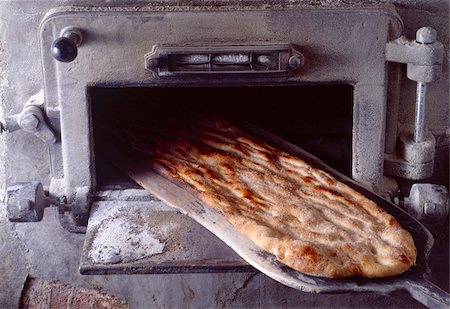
(344, 45)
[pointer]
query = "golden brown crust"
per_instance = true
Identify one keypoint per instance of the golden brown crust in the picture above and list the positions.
(302, 215)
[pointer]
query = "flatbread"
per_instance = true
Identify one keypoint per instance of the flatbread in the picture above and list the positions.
(306, 218)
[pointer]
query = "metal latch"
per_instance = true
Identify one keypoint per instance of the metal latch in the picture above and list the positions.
(31, 120)
(277, 59)
(423, 57)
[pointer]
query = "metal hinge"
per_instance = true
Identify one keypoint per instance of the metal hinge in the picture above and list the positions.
(423, 58)
(32, 119)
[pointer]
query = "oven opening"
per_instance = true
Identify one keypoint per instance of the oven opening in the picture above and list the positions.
(317, 118)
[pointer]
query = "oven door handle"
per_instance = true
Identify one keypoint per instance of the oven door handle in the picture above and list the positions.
(172, 61)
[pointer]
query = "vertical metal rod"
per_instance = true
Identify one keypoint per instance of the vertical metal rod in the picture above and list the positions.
(419, 129)
(392, 107)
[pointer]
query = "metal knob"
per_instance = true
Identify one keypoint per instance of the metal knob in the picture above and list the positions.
(426, 35)
(65, 48)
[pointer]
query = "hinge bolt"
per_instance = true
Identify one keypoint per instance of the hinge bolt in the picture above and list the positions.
(426, 35)
(295, 62)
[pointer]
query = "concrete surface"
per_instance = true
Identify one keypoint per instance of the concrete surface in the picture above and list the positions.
(45, 250)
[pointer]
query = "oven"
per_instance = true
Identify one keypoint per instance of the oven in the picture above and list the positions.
(327, 78)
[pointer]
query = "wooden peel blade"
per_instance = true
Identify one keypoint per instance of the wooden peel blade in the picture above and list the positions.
(179, 197)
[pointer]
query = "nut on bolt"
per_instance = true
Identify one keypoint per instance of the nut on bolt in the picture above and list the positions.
(25, 205)
(428, 202)
(295, 62)
(29, 122)
(430, 208)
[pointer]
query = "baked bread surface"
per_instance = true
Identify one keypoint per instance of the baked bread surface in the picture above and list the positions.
(306, 218)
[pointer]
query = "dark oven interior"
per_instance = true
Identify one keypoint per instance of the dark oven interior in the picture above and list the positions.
(317, 118)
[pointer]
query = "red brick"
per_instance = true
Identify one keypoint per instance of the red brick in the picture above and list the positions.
(38, 293)
(59, 297)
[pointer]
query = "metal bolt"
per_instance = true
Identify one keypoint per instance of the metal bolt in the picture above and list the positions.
(426, 35)
(29, 122)
(419, 127)
(295, 62)
(429, 208)
(74, 34)
(152, 63)
(428, 202)
(25, 205)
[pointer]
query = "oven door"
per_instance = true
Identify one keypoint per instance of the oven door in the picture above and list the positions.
(340, 51)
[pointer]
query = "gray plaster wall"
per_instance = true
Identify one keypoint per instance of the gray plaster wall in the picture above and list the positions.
(46, 250)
